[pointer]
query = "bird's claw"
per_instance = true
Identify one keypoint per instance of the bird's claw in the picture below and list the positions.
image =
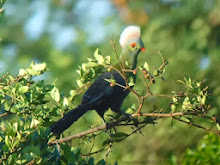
(128, 117)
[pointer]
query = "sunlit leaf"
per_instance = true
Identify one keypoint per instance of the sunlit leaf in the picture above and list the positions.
(34, 123)
(65, 102)
(55, 94)
(22, 72)
(72, 92)
(7, 141)
(39, 67)
(23, 89)
(98, 56)
(146, 66)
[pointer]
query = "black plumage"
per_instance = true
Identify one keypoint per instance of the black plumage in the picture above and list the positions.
(100, 96)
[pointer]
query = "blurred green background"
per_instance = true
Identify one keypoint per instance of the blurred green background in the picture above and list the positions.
(64, 33)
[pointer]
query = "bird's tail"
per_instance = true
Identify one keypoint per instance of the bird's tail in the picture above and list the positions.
(68, 119)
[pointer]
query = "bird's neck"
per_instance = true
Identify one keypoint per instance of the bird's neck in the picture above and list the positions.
(128, 59)
(128, 63)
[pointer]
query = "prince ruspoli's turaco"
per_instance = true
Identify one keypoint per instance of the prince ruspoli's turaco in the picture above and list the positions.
(100, 95)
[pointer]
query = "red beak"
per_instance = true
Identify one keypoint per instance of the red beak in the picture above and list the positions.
(142, 49)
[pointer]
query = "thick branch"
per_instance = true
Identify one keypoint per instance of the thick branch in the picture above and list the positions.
(117, 123)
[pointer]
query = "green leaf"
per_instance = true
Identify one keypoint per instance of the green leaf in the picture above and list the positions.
(126, 63)
(39, 67)
(84, 67)
(5, 148)
(118, 136)
(89, 65)
(23, 89)
(7, 141)
(18, 136)
(99, 57)
(72, 93)
(15, 125)
(146, 66)
(65, 102)
(22, 72)
(34, 123)
(15, 143)
(5, 126)
(106, 142)
(180, 81)
(156, 73)
(79, 83)
(186, 104)
(11, 78)
(22, 161)
(32, 71)
(91, 161)
(32, 149)
(108, 80)
(218, 126)
(175, 100)
(101, 162)
(55, 94)
(203, 100)
(173, 107)
(67, 153)
(130, 111)
(107, 60)
(188, 82)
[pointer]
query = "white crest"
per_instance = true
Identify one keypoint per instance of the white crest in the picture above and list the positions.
(128, 33)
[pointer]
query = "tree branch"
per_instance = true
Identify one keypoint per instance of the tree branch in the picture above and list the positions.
(198, 126)
(117, 123)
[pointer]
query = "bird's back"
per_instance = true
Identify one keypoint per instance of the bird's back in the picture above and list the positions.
(102, 96)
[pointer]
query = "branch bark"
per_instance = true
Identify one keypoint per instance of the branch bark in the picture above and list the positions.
(117, 123)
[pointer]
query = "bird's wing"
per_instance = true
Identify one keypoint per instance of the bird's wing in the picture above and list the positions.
(100, 88)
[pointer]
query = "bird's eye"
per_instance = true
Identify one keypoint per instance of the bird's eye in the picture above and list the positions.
(133, 45)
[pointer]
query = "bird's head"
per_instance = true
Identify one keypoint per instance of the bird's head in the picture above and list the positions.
(131, 43)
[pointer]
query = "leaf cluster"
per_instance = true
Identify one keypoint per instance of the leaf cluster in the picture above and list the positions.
(25, 114)
(206, 152)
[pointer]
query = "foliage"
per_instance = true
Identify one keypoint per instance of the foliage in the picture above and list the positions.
(28, 106)
(1, 9)
(25, 113)
(206, 152)
(185, 31)
(88, 71)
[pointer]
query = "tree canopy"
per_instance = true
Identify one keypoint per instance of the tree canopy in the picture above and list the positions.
(44, 72)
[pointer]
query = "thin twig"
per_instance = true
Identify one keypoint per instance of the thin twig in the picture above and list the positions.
(169, 96)
(114, 48)
(160, 56)
(198, 126)
(138, 129)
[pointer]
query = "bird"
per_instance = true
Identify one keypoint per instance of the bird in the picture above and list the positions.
(101, 96)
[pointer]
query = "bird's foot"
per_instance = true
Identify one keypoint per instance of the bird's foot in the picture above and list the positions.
(128, 117)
